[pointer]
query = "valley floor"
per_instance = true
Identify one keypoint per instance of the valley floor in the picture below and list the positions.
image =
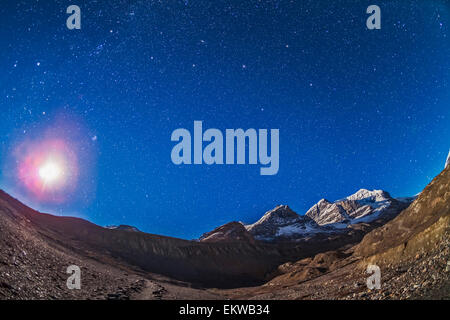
(428, 277)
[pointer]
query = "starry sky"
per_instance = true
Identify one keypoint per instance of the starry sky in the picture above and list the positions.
(356, 108)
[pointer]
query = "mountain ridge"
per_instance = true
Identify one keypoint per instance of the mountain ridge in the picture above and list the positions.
(322, 219)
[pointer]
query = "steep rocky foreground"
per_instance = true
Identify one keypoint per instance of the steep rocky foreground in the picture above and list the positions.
(31, 267)
(421, 227)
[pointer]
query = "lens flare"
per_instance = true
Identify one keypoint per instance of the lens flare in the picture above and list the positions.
(50, 172)
(48, 169)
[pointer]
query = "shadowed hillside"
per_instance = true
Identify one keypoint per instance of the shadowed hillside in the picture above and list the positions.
(224, 264)
(419, 228)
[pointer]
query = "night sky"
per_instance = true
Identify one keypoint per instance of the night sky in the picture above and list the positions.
(356, 108)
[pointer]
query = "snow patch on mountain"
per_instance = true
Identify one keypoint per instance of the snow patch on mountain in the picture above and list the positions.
(447, 162)
(297, 228)
(124, 228)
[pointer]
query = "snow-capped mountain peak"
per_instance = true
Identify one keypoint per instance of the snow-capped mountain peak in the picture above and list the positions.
(363, 206)
(447, 163)
(326, 212)
(279, 215)
(281, 222)
(370, 195)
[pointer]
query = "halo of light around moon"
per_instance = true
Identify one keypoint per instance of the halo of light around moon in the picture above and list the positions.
(47, 169)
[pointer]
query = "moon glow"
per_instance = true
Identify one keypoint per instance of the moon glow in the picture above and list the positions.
(47, 169)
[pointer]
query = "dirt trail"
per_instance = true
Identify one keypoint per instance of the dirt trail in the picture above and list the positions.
(166, 291)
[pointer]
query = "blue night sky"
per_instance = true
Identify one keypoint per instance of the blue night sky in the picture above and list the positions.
(356, 108)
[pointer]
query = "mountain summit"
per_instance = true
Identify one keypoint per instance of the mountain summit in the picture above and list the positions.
(282, 222)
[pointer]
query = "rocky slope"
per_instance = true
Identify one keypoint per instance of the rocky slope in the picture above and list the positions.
(421, 227)
(219, 264)
(31, 267)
